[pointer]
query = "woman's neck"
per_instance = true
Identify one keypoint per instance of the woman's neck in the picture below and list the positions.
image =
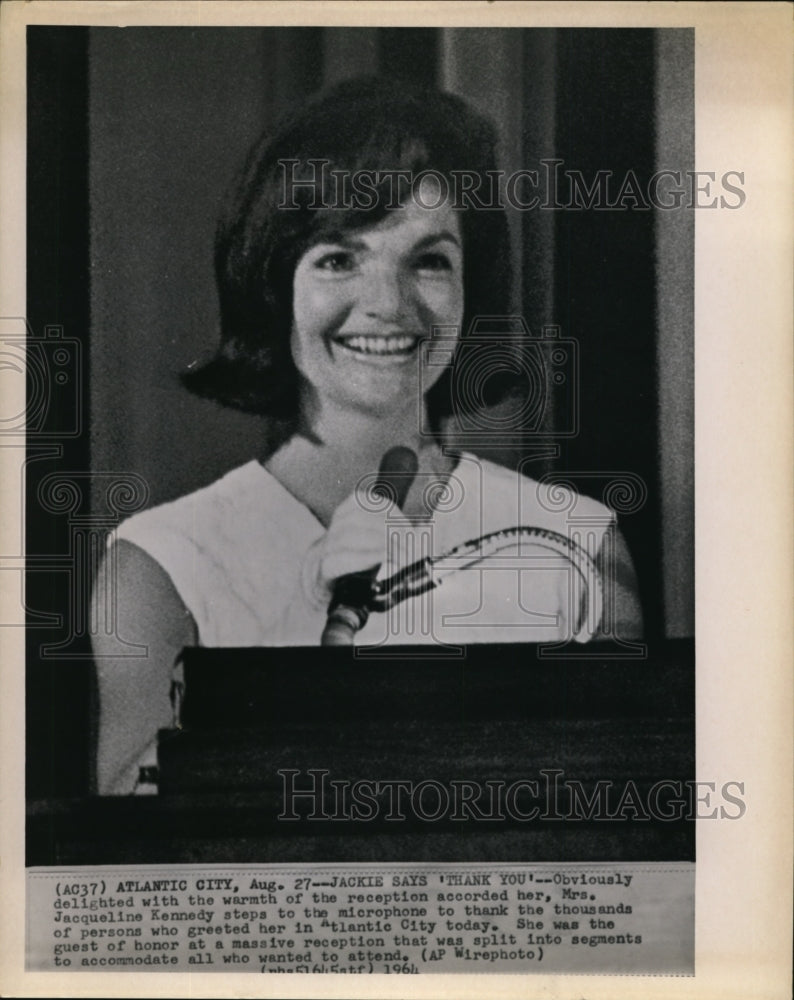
(322, 465)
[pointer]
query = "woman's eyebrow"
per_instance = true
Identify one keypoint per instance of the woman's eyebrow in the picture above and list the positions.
(341, 239)
(431, 238)
(351, 242)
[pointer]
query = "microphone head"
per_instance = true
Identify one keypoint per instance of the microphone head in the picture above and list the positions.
(397, 472)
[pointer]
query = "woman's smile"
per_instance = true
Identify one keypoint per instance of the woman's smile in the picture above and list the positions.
(379, 346)
(364, 300)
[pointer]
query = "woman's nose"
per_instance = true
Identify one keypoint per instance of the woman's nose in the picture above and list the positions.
(385, 295)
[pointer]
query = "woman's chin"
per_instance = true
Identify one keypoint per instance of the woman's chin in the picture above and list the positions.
(393, 398)
(380, 401)
(381, 407)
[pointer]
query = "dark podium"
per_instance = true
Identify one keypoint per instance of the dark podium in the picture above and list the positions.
(326, 755)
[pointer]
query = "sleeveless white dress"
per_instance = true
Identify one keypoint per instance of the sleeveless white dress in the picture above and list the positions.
(239, 553)
(238, 550)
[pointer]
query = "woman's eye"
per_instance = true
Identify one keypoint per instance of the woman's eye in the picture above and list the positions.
(337, 262)
(433, 262)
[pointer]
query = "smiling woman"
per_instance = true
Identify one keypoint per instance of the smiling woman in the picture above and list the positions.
(369, 301)
(362, 307)
(330, 313)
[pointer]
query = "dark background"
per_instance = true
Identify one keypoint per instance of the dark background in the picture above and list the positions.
(133, 136)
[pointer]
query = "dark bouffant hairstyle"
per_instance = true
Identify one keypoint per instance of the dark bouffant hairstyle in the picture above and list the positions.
(372, 125)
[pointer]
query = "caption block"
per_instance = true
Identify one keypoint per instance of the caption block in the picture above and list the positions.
(618, 918)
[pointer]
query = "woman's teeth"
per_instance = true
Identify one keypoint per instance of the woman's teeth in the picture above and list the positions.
(398, 344)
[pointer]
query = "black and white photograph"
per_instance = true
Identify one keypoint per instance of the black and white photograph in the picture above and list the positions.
(358, 519)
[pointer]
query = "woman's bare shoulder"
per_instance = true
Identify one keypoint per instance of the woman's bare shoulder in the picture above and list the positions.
(134, 590)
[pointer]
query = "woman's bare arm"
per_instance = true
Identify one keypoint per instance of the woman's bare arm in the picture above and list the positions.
(622, 617)
(134, 691)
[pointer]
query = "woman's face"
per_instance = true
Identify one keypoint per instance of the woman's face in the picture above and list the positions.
(365, 299)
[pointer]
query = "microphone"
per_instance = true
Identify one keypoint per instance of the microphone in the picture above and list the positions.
(348, 611)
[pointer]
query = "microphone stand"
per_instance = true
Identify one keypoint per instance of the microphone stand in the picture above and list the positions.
(349, 608)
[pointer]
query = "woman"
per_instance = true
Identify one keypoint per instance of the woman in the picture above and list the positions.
(338, 260)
